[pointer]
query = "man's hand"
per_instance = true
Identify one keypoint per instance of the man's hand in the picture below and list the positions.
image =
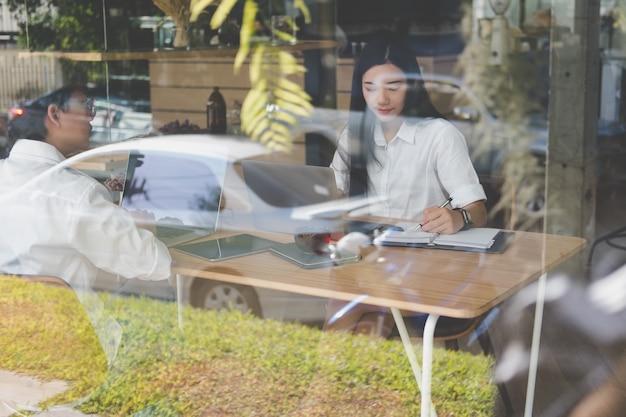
(144, 220)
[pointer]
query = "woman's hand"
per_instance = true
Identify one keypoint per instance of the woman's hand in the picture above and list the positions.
(447, 221)
(441, 220)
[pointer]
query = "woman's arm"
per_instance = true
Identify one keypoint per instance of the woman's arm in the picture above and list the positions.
(448, 221)
(478, 213)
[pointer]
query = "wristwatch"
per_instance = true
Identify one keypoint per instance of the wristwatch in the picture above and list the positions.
(467, 218)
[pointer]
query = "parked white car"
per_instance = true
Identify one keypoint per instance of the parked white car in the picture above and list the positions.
(235, 215)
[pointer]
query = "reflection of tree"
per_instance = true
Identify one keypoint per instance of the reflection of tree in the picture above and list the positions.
(207, 202)
(516, 92)
(133, 189)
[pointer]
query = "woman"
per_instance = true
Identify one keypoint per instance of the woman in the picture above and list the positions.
(398, 146)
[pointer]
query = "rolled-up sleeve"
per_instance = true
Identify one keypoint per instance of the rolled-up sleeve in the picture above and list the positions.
(455, 168)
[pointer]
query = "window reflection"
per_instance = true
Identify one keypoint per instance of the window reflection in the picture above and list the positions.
(175, 187)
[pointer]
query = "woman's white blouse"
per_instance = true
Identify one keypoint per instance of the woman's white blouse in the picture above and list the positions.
(425, 162)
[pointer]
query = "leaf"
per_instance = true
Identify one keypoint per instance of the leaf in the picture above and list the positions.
(292, 87)
(294, 108)
(197, 7)
(281, 129)
(295, 98)
(300, 4)
(256, 64)
(285, 117)
(247, 30)
(222, 13)
(289, 64)
(257, 97)
(259, 127)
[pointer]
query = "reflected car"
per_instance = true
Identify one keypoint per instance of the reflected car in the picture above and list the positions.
(116, 118)
(150, 169)
(115, 122)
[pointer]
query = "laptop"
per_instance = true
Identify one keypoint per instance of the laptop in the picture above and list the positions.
(276, 189)
(289, 185)
(182, 191)
(287, 196)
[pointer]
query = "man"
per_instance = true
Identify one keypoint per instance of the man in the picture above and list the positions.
(58, 221)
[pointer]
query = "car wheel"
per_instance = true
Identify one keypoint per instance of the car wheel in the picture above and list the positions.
(216, 295)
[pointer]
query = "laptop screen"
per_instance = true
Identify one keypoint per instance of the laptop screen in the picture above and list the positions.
(177, 189)
(276, 189)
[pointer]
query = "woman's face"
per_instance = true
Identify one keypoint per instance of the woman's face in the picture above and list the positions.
(384, 90)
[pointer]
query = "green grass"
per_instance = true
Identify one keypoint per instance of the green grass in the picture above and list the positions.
(231, 364)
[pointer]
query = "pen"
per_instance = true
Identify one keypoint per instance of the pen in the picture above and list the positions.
(445, 203)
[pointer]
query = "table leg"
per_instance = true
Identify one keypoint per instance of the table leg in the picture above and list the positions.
(428, 340)
(179, 299)
(423, 383)
(534, 348)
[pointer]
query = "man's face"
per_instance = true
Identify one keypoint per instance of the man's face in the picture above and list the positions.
(74, 124)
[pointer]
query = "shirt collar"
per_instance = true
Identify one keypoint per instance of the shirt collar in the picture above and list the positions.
(36, 150)
(406, 133)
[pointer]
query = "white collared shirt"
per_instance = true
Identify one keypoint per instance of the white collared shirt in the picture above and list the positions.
(66, 225)
(425, 162)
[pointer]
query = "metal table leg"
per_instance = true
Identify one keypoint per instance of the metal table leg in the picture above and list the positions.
(423, 381)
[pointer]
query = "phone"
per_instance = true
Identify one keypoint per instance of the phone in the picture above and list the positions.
(228, 247)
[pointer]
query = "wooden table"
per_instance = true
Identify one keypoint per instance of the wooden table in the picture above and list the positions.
(437, 282)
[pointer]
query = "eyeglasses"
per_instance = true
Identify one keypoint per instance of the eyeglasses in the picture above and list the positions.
(86, 104)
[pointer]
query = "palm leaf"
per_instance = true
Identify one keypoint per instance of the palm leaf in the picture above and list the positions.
(270, 110)
(221, 13)
(197, 7)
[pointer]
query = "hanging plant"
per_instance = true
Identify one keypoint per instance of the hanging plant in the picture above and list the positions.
(271, 108)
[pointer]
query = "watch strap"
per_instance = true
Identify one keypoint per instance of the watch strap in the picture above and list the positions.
(467, 219)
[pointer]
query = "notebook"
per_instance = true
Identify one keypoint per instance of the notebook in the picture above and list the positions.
(276, 189)
(182, 191)
(479, 239)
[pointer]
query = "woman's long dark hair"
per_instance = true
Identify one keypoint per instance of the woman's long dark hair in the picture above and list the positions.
(384, 48)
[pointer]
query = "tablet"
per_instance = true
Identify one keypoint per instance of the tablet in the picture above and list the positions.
(295, 255)
(228, 247)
